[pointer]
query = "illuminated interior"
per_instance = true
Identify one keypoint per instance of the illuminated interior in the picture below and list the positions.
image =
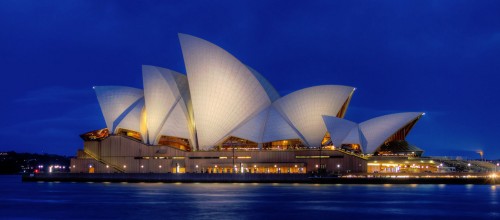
(289, 144)
(402, 166)
(356, 148)
(95, 135)
(129, 133)
(238, 144)
(176, 142)
(403, 132)
(256, 168)
(327, 140)
(343, 110)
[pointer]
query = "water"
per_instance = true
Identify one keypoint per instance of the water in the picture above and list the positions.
(46, 200)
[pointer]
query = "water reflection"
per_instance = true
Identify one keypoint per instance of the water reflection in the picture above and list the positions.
(242, 201)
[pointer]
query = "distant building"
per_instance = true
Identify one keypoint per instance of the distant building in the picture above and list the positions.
(223, 116)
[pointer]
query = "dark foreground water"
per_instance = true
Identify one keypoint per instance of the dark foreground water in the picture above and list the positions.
(244, 201)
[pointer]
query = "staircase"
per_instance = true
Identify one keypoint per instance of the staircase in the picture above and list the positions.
(120, 170)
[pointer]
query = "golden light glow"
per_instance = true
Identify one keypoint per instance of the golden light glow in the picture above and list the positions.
(143, 124)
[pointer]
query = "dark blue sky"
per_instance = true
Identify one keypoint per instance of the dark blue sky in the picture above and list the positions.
(440, 57)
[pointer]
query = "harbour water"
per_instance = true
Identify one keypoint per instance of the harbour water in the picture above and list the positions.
(52, 200)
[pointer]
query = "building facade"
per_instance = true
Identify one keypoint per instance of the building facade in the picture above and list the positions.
(225, 117)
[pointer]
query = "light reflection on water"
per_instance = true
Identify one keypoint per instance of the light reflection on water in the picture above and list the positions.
(243, 201)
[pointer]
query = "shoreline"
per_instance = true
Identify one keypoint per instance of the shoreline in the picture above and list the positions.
(258, 178)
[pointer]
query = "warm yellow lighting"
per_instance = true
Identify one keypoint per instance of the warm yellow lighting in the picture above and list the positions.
(143, 122)
(311, 157)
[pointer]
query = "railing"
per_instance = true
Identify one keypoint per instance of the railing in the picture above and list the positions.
(103, 162)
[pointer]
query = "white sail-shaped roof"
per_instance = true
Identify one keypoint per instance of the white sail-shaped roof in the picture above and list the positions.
(339, 129)
(176, 124)
(277, 128)
(132, 121)
(271, 91)
(253, 129)
(304, 109)
(162, 94)
(379, 129)
(356, 136)
(116, 102)
(224, 92)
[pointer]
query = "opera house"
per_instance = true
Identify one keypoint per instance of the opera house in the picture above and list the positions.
(225, 117)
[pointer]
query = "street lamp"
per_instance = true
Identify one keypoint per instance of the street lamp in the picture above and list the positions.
(338, 168)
